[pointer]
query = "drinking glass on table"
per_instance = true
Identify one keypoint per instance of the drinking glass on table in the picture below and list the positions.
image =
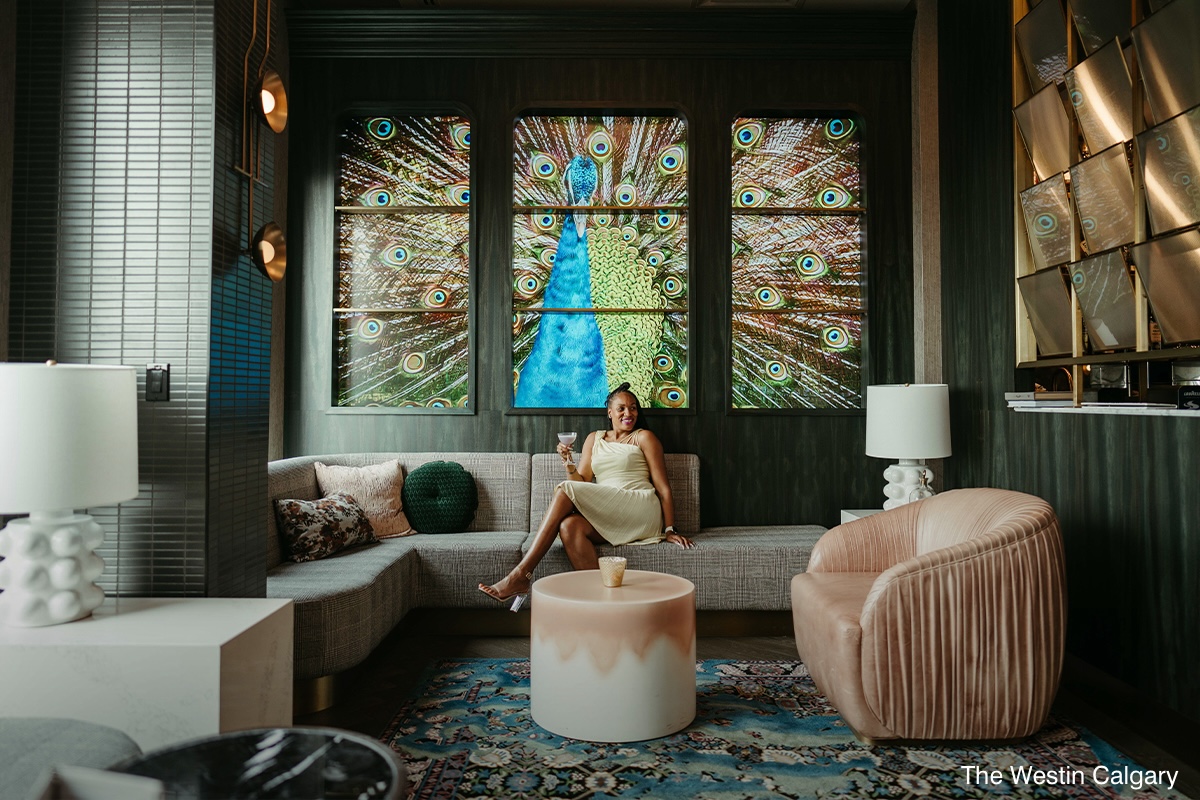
(568, 438)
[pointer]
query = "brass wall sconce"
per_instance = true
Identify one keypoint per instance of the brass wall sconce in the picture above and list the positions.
(268, 247)
(270, 251)
(272, 98)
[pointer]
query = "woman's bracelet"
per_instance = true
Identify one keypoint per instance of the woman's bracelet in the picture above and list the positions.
(669, 529)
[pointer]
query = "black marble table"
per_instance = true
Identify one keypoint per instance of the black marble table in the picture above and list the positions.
(275, 764)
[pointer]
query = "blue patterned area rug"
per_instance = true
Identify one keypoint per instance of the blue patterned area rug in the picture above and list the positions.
(761, 731)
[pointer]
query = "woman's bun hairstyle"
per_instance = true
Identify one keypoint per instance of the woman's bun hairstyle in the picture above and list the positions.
(624, 389)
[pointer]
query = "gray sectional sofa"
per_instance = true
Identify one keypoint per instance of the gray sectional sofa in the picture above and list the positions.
(346, 604)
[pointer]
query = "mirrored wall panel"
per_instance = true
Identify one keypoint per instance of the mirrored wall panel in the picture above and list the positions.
(1048, 304)
(1100, 21)
(1103, 190)
(1106, 296)
(1046, 131)
(1170, 269)
(1101, 95)
(1166, 44)
(1170, 155)
(1048, 221)
(1042, 37)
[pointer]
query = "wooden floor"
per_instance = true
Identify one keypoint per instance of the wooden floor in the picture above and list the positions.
(370, 694)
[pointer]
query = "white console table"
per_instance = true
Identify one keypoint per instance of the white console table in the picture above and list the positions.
(851, 514)
(160, 669)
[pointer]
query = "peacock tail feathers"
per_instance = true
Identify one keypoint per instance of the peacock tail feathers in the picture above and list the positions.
(796, 163)
(402, 359)
(622, 279)
(644, 157)
(797, 360)
(797, 277)
(606, 170)
(405, 161)
(404, 261)
(797, 262)
(669, 365)
(403, 277)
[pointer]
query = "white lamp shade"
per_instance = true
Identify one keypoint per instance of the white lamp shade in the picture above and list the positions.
(910, 420)
(68, 436)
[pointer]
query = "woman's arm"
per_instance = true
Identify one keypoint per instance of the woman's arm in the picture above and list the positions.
(583, 468)
(652, 448)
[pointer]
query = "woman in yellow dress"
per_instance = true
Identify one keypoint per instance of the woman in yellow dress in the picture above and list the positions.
(630, 502)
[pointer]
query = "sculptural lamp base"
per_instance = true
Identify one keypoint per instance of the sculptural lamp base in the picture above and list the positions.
(49, 569)
(901, 479)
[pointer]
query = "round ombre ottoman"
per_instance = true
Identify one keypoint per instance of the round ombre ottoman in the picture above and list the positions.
(613, 665)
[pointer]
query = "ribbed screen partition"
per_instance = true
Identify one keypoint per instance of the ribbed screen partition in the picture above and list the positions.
(128, 226)
(240, 338)
(112, 233)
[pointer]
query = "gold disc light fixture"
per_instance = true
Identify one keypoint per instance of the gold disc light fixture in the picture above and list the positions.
(270, 251)
(268, 248)
(272, 99)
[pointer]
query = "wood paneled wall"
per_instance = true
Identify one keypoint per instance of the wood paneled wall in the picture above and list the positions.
(713, 67)
(8, 93)
(1124, 487)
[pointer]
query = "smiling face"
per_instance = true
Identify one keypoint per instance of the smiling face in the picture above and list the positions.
(623, 412)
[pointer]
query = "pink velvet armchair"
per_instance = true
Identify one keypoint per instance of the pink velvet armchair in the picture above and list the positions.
(942, 619)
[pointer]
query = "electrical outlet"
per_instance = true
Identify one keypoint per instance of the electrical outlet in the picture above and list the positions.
(158, 382)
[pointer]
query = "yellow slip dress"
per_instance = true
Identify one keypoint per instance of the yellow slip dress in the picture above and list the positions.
(622, 504)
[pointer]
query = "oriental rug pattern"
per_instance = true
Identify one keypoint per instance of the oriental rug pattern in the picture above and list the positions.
(761, 731)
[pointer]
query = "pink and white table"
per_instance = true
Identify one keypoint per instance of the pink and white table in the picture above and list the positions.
(613, 664)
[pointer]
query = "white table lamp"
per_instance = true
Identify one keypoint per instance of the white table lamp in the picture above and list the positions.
(908, 422)
(68, 440)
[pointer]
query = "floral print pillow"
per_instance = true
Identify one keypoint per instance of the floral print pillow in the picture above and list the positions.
(313, 529)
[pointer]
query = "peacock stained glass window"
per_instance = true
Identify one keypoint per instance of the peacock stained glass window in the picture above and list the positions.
(600, 263)
(797, 264)
(403, 228)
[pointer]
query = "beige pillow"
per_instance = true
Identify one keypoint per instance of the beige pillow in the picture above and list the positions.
(376, 488)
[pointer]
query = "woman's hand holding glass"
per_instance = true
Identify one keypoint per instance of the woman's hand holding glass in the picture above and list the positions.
(565, 440)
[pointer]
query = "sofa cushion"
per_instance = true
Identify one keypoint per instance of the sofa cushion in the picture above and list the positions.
(501, 480)
(376, 487)
(440, 497)
(826, 609)
(314, 529)
(734, 569)
(452, 567)
(346, 604)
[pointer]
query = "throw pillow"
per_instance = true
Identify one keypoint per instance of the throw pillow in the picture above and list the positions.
(377, 488)
(440, 497)
(313, 529)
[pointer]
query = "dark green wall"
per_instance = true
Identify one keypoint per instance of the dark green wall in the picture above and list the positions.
(1125, 488)
(754, 469)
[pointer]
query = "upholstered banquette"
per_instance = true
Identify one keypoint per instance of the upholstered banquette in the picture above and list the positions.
(347, 603)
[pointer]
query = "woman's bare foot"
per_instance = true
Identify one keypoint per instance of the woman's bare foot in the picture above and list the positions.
(514, 583)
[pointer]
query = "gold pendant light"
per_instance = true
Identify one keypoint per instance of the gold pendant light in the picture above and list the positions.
(268, 247)
(270, 251)
(272, 98)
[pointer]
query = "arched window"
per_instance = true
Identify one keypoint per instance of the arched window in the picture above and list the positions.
(600, 262)
(401, 299)
(798, 284)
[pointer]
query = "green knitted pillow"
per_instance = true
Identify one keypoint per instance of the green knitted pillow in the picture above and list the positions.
(440, 497)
